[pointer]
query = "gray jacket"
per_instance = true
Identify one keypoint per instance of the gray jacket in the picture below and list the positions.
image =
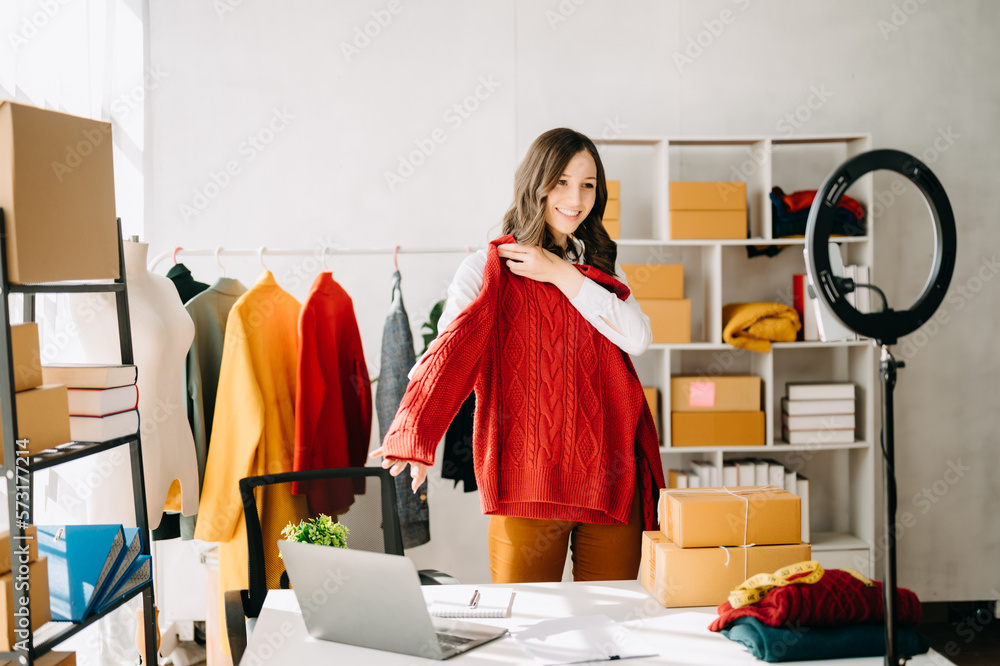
(397, 359)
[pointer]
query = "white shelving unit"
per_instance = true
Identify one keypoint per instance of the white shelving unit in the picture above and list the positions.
(716, 272)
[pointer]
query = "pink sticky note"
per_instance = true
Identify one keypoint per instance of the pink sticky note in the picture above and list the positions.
(701, 394)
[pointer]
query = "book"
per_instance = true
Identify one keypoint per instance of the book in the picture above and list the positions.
(791, 480)
(776, 474)
(730, 475)
(818, 436)
(802, 490)
(809, 407)
(864, 294)
(101, 402)
(820, 391)
(707, 474)
(103, 428)
(130, 551)
(493, 602)
(139, 572)
(818, 422)
(80, 559)
(89, 375)
(677, 478)
(760, 473)
(802, 302)
(851, 272)
(745, 472)
(830, 328)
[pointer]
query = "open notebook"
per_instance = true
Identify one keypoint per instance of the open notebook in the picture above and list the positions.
(493, 602)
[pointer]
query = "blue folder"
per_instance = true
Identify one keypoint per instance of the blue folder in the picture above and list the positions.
(141, 571)
(131, 549)
(80, 559)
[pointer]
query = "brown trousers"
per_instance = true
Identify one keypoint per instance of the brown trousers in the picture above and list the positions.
(527, 550)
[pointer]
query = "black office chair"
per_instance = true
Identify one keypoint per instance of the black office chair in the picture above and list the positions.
(372, 522)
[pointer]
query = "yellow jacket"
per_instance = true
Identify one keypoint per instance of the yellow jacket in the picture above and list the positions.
(253, 430)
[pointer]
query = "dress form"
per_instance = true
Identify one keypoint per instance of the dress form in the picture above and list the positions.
(162, 332)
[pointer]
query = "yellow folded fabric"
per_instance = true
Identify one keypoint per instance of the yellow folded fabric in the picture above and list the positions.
(754, 326)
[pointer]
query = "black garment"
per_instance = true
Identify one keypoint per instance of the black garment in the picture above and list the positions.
(457, 463)
(187, 286)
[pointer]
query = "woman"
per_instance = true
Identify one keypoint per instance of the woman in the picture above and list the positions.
(564, 446)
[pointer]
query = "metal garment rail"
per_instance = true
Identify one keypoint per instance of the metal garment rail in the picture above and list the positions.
(319, 252)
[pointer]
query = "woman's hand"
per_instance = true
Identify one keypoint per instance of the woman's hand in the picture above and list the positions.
(537, 263)
(418, 470)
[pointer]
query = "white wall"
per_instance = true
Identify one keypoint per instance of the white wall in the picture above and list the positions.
(918, 75)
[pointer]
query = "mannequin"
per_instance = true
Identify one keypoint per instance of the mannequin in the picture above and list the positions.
(162, 332)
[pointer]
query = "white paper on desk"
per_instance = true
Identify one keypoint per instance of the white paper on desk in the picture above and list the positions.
(493, 602)
(575, 640)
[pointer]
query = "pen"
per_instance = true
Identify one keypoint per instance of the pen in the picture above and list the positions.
(474, 601)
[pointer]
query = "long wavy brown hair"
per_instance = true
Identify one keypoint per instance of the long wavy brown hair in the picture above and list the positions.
(537, 175)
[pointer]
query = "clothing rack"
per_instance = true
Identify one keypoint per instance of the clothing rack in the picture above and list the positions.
(321, 252)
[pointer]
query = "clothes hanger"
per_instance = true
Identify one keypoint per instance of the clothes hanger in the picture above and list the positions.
(260, 257)
(395, 260)
(218, 260)
(322, 258)
(174, 255)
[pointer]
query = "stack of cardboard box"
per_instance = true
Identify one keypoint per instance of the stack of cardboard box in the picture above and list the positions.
(698, 555)
(611, 212)
(659, 288)
(27, 574)
(712, 210)
(716, 411)
(42, 410)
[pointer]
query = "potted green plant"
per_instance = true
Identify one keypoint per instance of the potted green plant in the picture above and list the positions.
(323, 531)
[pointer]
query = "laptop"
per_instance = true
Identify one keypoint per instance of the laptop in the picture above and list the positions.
(373, 600)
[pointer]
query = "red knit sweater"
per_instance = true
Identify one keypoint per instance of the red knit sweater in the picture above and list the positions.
(333, 404)
(561, 421)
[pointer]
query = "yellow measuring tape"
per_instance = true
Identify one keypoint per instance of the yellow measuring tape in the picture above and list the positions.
(756, 587)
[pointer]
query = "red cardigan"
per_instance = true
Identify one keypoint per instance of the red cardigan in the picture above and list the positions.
(333, 404)
(561, 421)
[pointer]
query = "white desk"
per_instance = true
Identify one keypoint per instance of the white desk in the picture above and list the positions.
(681, 635)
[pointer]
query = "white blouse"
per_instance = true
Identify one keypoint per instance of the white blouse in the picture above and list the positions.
(605, 311)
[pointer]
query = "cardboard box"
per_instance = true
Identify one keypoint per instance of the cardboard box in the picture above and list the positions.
(670, 319)
(31, 543)
(614, 187)
(42, 417)
(49, 659)
(647, 560)
(712, 195)
(702, 517)
(38, 591)
(26, 356)
(612, 210)
(57, 192)
(708, 224)
(655, 280)
(717, 428)
(614, 228)
(726, 393)
(701, 577)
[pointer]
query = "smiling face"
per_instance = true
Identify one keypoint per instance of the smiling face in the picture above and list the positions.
(571, 200)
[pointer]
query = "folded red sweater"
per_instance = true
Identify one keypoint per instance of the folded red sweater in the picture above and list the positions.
(802, 199)
(561, 422)
(837, 599)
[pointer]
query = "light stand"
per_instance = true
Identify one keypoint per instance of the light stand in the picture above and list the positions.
(887, 326)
